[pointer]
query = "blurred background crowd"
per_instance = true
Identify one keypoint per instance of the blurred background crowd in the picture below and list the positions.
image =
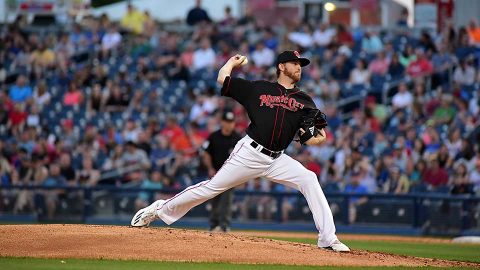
(129, 103)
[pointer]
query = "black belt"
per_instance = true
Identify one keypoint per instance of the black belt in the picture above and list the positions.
(265, 151)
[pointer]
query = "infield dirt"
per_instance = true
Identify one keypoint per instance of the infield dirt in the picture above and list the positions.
(169, 244)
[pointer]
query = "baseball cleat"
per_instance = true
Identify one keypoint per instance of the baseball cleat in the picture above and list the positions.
(146, 215)
(338, 247)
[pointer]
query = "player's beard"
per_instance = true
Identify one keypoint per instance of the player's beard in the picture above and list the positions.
(293, 75)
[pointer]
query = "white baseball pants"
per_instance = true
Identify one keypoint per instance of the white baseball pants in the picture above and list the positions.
(244, 163)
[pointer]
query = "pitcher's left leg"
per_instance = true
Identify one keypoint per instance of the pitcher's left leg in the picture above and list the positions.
(287, 171)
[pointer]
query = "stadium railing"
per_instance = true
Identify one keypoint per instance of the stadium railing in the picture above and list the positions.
(423, 213)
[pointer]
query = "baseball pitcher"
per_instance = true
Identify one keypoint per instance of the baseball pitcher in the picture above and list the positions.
(278, 111)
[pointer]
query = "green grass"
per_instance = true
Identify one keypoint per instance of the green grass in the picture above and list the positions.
(446, 251)
(71, 264)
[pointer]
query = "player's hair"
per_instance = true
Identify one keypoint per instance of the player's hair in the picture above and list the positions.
(278, 72)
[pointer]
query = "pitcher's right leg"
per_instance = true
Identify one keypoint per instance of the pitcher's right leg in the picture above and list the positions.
(228, 176)
(239, 168)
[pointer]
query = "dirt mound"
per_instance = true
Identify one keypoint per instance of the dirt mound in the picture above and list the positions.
(166, 244)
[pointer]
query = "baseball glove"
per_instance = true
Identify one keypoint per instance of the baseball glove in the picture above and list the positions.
(312, 123)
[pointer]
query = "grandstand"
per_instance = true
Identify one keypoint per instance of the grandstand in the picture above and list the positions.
(92, 107)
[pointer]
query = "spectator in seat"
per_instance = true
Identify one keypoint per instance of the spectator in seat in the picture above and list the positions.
(344, 37)
(442, 62)
(323, 36)
(407, 56)
(111, 39)
(397, 182)
(355, 201)
(379, 65)
(228, 19)
(371, 43)
(303, 37)
(360, 75)
(475, 176)
(131, 131)
(96, 101)
(66, 169)
(88, 175)
(133, 20)
(154, 181)
(403, 99)
(435, 175)
(461, 180)
(114, 161)
(33, 118)
(117, 100)
(176, 135)
(41, 97)
(187, 55)
(420, 67)
(396, 70)
(262, 56)
(17, 118)
(134, 156)
(427, 44)
(21, 91)
(416, 177)
(73, 96)
(473, 31)
(203, 57)
(464, 74)
(446, 112)
(42, 57)
(341, 69)
(197, 14)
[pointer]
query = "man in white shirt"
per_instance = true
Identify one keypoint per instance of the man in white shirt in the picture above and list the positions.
(323, 36)
(464, 74)
(111, 39)
(402, 99)
(263, 56)
(204, 57)
(303, 38)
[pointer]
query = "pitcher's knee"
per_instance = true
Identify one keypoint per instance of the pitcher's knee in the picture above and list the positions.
(309, 178)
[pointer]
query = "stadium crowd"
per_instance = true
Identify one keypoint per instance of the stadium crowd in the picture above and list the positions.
(129, 103)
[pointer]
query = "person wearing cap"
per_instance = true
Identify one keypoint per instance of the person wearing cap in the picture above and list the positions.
(217, 148)
(276, 111)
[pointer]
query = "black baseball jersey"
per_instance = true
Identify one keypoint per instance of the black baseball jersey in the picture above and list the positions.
(275, 112)
(220, 146)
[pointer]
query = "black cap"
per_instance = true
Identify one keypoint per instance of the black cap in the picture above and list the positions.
(288, 56)
(228, 116)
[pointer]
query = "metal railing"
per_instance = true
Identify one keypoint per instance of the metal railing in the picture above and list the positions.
(430, 213)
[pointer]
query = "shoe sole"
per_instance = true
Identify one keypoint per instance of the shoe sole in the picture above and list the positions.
(137, 219)
(331, 249)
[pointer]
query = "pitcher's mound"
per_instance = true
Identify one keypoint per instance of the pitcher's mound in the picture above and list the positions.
(166, 244)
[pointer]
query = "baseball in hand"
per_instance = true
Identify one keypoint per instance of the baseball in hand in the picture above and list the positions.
(244, 62)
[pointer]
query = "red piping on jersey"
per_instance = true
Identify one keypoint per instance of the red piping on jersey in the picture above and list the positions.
(275, 124)
(281, 125)
(201, 183)
(283, 115)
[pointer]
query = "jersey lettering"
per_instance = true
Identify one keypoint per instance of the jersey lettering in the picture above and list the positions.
(283, 101)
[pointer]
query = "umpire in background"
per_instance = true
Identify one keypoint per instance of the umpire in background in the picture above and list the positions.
(217, 148)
